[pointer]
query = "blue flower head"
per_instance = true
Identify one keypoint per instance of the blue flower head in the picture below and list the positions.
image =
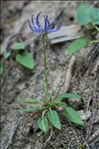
(36, 27)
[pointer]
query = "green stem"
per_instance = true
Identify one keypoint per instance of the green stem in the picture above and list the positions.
(45, 66)
(94, 41)
(96, 27)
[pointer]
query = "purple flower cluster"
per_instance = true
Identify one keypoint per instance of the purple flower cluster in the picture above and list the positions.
(36, 27)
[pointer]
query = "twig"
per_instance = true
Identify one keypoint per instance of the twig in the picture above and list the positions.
(88, 103)
(69, 74)
(94, 113)
(96, 121)
(66, 84)
(89, 130)
(58, 90)
(86, 144)
(94, 136)
(48, 139)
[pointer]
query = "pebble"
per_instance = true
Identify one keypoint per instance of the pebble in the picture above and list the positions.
(84, 115)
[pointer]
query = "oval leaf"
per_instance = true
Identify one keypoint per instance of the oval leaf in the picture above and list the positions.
(54, 119)
(73, 115)
(95, 16)
(43, 124)
(30, 109)
(18, 46)
(84, 14)
(28, 101)
(25, 59)
(69, 95)
(87, 14)
(76, 46)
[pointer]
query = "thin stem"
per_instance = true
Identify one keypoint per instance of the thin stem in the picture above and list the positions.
(44, 113)
(94, 41)
(96, 27)
(45, 66)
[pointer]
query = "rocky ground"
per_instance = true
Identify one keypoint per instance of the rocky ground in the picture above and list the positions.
(20, 131)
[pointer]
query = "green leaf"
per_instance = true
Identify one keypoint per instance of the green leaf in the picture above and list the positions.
(69, 95)
(95, 15)
(56, 102)
(30, 109)
(49, 95)
(28, 101)
(18, 46)
(87, 14)
(76, 45)
(26, 59)
(43, 124)
(73, 115)
(84, 14)
(6, 54)
(1, 68)
(54, 119)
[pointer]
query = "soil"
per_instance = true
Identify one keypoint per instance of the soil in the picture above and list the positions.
(20, 131)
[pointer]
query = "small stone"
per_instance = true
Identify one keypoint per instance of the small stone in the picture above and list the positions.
(84, 115)
(88, 114)
(21, 86)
